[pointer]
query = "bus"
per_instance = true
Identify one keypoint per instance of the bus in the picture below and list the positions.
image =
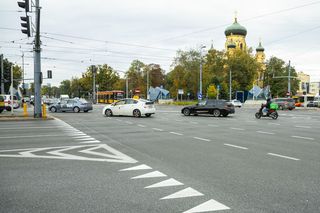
(108, 97)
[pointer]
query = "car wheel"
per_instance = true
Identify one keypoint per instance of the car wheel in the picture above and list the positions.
(216, 113)
(76, 109)
(136, 113)
(148, 115)
(186, 112)
(53, 109)
(108, 112)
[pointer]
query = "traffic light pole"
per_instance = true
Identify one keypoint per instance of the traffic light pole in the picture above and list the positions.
(37, 66)
(2, 71)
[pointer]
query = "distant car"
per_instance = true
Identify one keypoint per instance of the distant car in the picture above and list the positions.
(313, 104)
(7, 102)
(236, 103)
(130, 107)
(68, 105)
(285, 103)
(2, 105)
(214, 107)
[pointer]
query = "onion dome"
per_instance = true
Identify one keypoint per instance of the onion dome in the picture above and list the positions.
(235, 29)
(260, 48)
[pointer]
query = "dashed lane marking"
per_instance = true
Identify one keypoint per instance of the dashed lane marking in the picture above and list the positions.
(192, 122)
(150, 175)
(235, 146)
(128, 122)
(176, 133)
(202, 139)
(239, 129)
(212, 125)
(210, 205)
(140, 125)
(276, 124)
(267, 133)
(165, 183)
(304, 127)
(187, 192)
(157, 129)
(300, 137)
(140, 167)
(283, 156)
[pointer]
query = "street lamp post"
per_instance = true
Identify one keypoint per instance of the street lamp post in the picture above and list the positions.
(93, 69)
(200, 73)
(230, 84)
(148, 84)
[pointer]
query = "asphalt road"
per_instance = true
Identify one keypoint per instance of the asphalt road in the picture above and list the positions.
(79, 163)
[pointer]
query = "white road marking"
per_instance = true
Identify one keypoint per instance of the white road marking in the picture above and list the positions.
(274, 124)
(176, 133)
(85, 139)
(187, 192)
(305, 127)
(210, 205)
(31, 127)
(128, 122)
(283, 156)
(300, 137)
(30, 136)
(141, 125)
(115, 155)
(234, 128)
(202, 139)
(157, 129)
(150, 175)
(212, 125)
(194, 122)
(86, 136)
(140, 167)
(235, 146)
(268, 133)
(178, 120)
(118, 120)
(94, 141)
(165, 183)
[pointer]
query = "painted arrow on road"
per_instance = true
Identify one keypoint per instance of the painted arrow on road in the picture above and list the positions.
(96, 153)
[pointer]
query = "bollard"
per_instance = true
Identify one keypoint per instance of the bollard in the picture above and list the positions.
(25, 110)
(44, 111)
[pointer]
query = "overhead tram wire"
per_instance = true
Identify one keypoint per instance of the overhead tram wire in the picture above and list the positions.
(244, 20)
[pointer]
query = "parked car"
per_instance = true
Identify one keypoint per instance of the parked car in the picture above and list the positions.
(236, 103)
(75, 105)
(7, 102)
(214, 107)
(313, 104)
(2, 106)
(285, 103)
(130, 107)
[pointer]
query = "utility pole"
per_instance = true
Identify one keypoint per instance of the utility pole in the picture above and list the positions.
(289, 81)
(200, 73)
(93, 69)
(230, 84)
(127, 86)
(2, 71)
(148, 84)
(23, 86)
(37, 65)
(11, 90)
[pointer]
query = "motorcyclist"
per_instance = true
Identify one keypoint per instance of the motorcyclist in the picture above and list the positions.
(267, 105)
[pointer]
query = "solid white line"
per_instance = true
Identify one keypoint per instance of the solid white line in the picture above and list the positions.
(268, 133)
(283, 156)
(306, 127)
(157, 129)
(300, 137)
(33, 127)
(176, 133)
(235, 146)
(141, 125)
(202, 139)
(31, 136)
(240, 129)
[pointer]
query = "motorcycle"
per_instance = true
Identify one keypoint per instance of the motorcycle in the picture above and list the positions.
(272, 113)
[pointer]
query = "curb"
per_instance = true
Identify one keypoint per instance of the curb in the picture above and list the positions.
(21, 118)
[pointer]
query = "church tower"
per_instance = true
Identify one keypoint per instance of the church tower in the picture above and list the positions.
(236, 34)
(260, 57)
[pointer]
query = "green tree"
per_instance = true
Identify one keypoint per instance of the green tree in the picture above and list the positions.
(135, 74)
(212, 91)
(45, 90)
(65, 87)
(17, 75)
(279, 86)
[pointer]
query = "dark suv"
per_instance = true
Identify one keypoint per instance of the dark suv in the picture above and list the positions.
(215, 107)
(285, 103)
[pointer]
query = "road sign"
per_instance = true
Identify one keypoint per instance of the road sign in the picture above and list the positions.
(200, 96)
(180, 91)
(218, 87)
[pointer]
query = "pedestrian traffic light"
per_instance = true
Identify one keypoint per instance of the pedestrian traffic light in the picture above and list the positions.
(25, 24)
(49, 74)
(24, 4)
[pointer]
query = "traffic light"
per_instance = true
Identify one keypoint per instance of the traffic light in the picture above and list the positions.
(24, 4)
(49, 74)
(25, 24)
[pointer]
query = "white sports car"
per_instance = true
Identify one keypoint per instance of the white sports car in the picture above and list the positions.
(129, 107)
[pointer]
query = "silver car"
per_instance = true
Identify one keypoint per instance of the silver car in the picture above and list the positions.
(67, 105)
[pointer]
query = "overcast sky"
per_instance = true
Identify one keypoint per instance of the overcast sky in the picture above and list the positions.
(119, 31)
